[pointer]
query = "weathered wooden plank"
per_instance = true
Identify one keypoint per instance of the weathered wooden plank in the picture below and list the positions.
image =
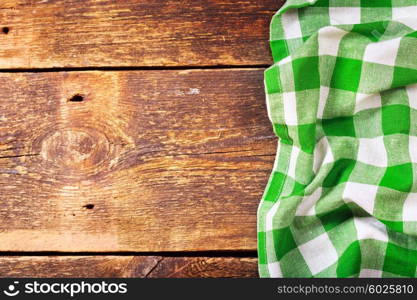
(195, 267)
(126, 267)
(147, 161)
(100, 33)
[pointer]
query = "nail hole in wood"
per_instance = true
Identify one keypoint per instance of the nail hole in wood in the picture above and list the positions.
(77, 98)
(5, 30)
(89, 206)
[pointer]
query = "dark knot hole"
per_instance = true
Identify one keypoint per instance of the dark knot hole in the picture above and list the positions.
(89, 206)
(77, 98)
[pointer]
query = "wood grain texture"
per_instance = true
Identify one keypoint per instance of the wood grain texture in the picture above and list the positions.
(103, 33)
(148, 161)
(127, 267)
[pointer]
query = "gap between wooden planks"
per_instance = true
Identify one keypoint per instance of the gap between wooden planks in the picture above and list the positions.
(102, 33)
(141, 161)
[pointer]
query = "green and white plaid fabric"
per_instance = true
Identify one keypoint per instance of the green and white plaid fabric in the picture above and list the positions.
(342, 97)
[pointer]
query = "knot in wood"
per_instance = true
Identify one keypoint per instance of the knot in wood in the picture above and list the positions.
(77, 149)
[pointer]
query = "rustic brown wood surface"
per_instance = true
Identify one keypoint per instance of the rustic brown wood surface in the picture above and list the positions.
(126, 130)
(127, 266)
(140, 161)
(100, 33)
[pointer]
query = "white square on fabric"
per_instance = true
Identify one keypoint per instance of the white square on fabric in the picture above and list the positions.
(293, 161)
(319, 253)
(291, 24)
(274, 270)
(322, 154)
(412, 145)
(362, 194)
(285, 60)
(269, 222)
(384, 52)
(406, 15)
(329, 39)
(370, 273)
(324, 94)
(344, 15)
(370, 228)
(410, 207)
(367, 101)
(278, 153)
(307, 205)
(290, 108)
(372, 151)
(412, 95)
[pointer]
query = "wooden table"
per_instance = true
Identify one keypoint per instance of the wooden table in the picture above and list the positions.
(134, 138)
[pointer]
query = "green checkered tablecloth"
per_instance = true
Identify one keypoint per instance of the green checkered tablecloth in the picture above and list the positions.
(342, 97)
